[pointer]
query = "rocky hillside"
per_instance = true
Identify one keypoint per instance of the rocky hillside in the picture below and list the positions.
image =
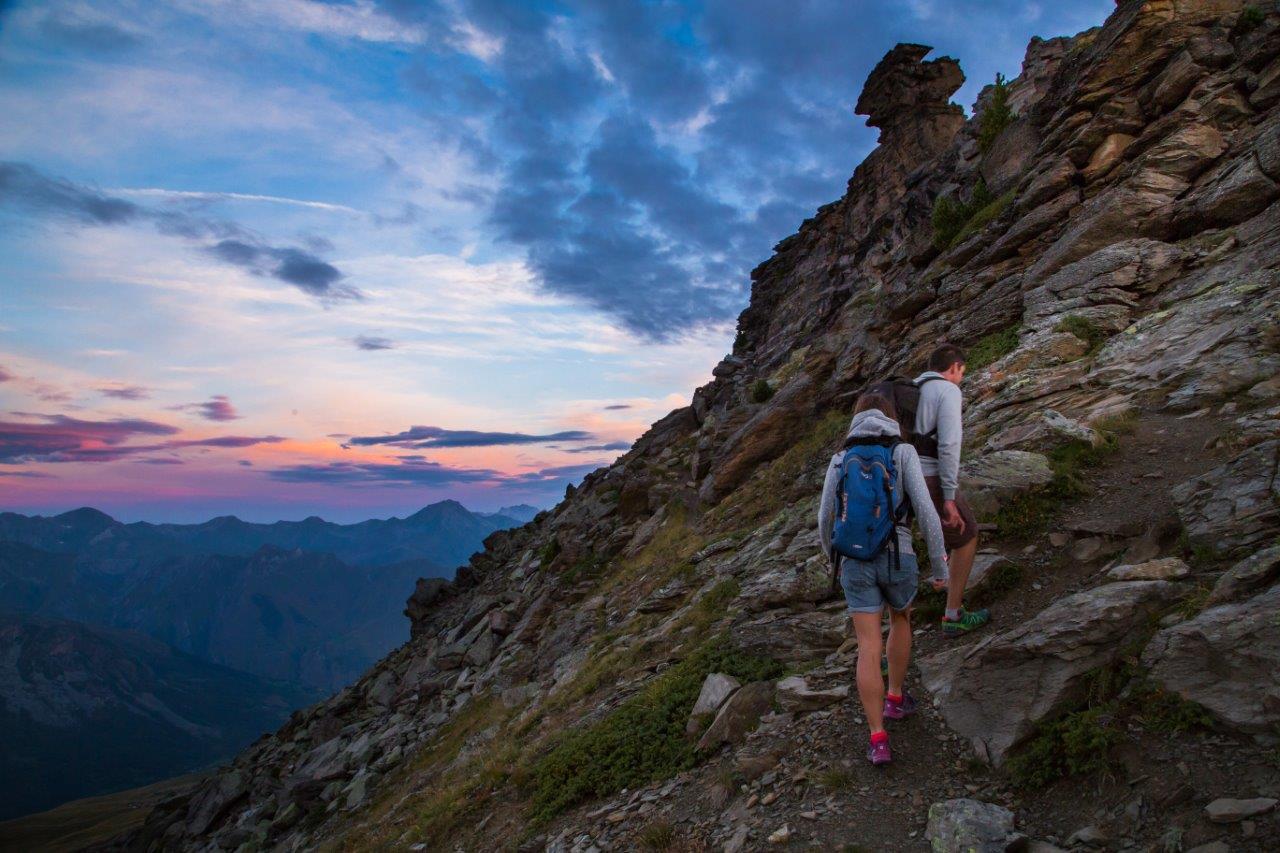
(1103, 235)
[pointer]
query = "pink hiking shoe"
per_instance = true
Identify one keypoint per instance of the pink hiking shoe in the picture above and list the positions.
(878, 752)
(901, 708)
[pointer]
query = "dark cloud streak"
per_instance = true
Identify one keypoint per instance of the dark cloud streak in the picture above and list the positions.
(422, 437)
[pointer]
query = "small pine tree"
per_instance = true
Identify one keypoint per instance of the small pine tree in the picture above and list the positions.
(996, 117)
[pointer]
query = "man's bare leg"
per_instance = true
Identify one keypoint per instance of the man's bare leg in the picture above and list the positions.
(960, 563)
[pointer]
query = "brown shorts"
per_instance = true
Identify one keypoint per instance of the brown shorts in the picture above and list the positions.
(954, 537)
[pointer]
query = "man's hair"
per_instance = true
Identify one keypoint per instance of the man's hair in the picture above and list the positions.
(872, 400)
(944, 356)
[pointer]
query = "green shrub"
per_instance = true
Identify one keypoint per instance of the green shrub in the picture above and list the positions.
(1086, 330)
(1251, 17)
(1161, 711)
(996, 117)
(549, 551)
(1078, 742)
(955, 221)
(761, 391)
(640, 741)
(949, 216)
(991, 348)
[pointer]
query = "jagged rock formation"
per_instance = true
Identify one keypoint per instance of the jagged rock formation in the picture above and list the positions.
(1125, 266)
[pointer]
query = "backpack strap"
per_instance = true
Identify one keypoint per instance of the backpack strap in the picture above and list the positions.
(889, 441)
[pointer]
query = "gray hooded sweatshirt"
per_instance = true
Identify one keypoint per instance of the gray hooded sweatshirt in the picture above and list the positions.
(871, 424)
(939, 409)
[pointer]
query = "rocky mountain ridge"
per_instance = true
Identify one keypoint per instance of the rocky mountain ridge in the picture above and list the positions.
(656, 662)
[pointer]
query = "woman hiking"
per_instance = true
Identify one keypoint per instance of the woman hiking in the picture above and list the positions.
(864, 525)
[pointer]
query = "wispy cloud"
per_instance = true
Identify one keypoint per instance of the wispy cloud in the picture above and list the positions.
(24, 188)
(198, 196)
(59, 438)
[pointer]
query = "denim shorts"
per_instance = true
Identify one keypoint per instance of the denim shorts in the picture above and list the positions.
(871, 584)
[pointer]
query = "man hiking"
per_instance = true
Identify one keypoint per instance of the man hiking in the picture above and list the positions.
(938, 428)
(864, 526)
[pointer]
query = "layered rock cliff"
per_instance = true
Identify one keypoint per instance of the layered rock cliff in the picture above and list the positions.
(1108, 248)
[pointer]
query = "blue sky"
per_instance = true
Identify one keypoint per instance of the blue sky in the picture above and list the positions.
(285, 257)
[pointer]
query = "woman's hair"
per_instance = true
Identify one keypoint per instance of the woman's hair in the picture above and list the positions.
(872, 400)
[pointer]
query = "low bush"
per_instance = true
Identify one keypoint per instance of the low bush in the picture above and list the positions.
(640, 741)
(1079, 742)
(991, 348)
(761, 391)
(1251, 17)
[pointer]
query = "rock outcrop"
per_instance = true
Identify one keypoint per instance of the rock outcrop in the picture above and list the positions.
(997, 690)
(1226, 660)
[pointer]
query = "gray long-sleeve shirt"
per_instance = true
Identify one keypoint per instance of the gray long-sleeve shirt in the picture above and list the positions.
(940, 409)
(910, 481)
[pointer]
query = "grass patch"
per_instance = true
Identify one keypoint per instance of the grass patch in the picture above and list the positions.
(640, 741)
(836, 779)
(981, 217)
(659, 835)
(1086, 330)
(549, 552)
(1028, 514)
(991, 348)
(762, 391)
(996, 117)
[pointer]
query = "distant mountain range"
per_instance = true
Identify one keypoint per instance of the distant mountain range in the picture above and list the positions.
(89, 709)
(275, 614)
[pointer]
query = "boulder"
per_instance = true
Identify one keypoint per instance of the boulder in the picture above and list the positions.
(1235, 505)
(994, 478)
(739, 715)
(1043, 431)
(1250, 574)
(481, 651)
(795, 695)
(1226, 659)
(716, 688)
(1039, 667)
(213, 799)
(985, 567)
(1226, 810)
(971, 826)
(1168, 569)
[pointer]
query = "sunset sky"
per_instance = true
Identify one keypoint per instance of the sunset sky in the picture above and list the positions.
(276, 258)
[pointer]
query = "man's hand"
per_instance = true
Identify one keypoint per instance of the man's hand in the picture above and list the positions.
(951, 515)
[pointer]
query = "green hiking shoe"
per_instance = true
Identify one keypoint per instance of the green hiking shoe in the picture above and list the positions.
(969, 621)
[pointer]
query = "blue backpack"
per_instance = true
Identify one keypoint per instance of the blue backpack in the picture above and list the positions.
(865, 511)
